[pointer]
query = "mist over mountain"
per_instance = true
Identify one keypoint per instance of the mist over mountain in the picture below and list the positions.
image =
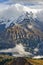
(26, 30)
(21, 19)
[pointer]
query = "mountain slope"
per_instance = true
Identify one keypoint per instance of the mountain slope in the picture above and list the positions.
(26, 32)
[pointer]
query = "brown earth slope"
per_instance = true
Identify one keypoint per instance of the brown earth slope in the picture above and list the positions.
(9, 60)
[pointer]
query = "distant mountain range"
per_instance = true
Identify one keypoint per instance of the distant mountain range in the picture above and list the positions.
(26, 30)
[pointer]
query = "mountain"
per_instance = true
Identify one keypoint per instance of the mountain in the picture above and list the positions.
(25, 30)
(29, 18)
(7, 23)
(23, 19)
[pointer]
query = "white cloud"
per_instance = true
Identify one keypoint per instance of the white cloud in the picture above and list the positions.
(36, 49)
(9, 11)
(3, 7)
(38, 57)
(19, 48)
(14, 10)
(25, 0)
(30, 26)
(40, 15)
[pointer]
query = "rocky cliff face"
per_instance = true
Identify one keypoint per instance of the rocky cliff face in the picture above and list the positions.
(18, 34)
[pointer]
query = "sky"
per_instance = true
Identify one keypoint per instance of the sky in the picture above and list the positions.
(3, 0)
(14, 8)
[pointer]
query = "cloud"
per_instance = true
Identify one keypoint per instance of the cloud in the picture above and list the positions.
(25, 0)
(36, 50)
(19, 48)
(38, 57)
(11, 9)
(40, 15)
(15, 10)
(3, 7)
(30, 26)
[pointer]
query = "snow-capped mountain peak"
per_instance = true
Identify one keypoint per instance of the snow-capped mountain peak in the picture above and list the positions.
(26, 15)
(13, 20)
(24, 18)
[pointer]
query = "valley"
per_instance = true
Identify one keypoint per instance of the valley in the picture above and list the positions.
(10, 60)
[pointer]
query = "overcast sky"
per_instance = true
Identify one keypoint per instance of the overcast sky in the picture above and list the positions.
(14, 8)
